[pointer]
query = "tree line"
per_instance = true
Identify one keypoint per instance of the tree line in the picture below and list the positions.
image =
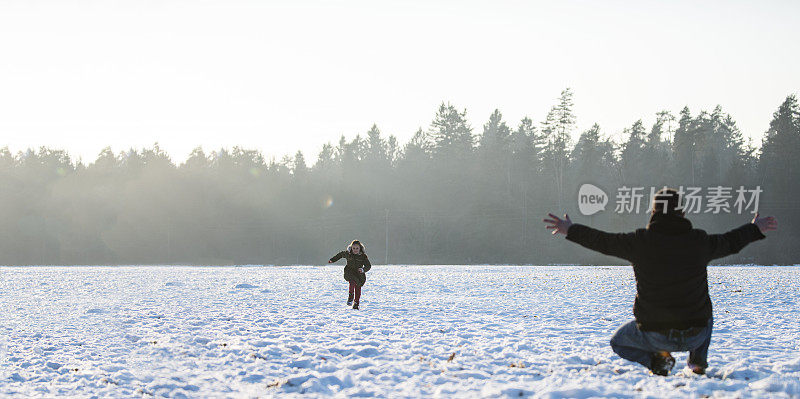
(453, 194)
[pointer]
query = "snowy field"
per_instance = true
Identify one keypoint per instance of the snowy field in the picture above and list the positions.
(442, 331)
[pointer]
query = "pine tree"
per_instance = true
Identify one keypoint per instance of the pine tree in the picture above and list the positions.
(7, 160)
(452, 135)
(419, 147)
(683, 147)
(494, 152)
(557, 131)
(326, 158)
(740, 155)
(157, 158)
(392, 150)
(724, 152)
(663, 127)
(779, 149)
(593, 156)
(495, 134)
(131, 161)
(106, 161)
(299, 167)
(657, 150)
(197, 159)
(634, 165)
(376, 147)
(525, 155)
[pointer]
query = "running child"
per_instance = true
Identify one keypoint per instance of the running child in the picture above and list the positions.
(355, 270)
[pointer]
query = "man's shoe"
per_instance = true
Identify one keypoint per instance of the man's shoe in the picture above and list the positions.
(350, 299)
(355, 305)
(661, 363)
(696, 368)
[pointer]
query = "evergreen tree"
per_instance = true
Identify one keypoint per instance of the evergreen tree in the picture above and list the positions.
(557, 132)
(452, 135)
(635, 166)
(392, 150)
(683, 147)
(726, 148)
(495, 134)
(156, 158)
(494, 152)
(593, 157)
(197, 160)
(419, 148)
(376, 147)
(299, 167)
(657, 150)
(326, 158)
(525, 155)
(779, 149)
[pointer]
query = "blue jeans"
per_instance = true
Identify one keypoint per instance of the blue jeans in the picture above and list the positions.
(631, 343)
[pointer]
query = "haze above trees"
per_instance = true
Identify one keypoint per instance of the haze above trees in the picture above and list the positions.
(453, 194)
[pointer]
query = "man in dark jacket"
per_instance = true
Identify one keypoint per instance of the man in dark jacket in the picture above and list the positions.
(669, 258)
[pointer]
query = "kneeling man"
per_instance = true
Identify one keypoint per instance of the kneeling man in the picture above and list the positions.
(669, 258)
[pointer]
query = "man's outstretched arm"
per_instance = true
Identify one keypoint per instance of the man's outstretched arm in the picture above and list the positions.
(614, 244)
(732, 242)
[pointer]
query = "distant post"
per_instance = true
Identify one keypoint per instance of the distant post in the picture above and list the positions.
(386, 235)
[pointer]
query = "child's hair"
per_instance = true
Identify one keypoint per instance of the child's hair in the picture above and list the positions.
(356, 242)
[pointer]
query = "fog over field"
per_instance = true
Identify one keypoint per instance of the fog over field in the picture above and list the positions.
(452, 194)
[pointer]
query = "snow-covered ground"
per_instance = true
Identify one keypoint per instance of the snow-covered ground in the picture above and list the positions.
(449, 331)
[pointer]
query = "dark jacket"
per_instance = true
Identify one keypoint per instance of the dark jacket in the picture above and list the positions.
(669, 261)
(353, 263)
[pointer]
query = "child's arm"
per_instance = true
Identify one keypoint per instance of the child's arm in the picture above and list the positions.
(367, 265)
(338, 256)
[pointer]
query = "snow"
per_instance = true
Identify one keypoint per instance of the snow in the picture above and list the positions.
(443, 331)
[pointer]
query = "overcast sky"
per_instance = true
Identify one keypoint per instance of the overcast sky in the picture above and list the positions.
(280, 76)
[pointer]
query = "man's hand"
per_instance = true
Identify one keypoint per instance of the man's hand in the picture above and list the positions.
(765, 224)
(558, 225)
(330, 261)
(361, 270)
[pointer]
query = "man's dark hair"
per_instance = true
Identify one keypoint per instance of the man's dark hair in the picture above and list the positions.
(667, 200)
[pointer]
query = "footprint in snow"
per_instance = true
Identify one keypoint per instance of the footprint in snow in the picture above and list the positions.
(95, 311)
(368, 352)
(131, 337)
(253, 378)
(54, 365)
(245, 286)
(174, 284)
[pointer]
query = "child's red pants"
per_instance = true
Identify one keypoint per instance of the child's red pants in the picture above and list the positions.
(355, 289)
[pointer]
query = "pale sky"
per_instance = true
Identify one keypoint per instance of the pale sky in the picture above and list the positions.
(279, 76)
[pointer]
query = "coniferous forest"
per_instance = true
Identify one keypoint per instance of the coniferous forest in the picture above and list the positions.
(453, 194)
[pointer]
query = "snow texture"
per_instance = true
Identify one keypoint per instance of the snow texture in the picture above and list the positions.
(442, 331)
